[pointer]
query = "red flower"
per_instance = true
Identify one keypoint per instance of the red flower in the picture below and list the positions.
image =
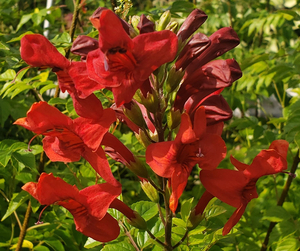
(88, 206)
(237, 188)
(203, 86)
(37, 51)
(122, 64)
(192, 145)
(66, 139)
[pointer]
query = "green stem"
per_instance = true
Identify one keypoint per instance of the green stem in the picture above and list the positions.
(282, 199)
(182, 240)
(157, 240)
(168, 224)
(24, 227)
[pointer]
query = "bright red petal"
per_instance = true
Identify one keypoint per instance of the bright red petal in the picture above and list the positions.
(42, 118)
(178, 182)
(200, 122)
(213, 151)
(234, 219)
(152, 50)
(37, 51)
(227, 185)
(161, 157)
(99, 197)
(57, 150)
(99, 162)
(186, 134)
(239, 165)
(50, 189)
(90, 131)
(265, 163)
(280, 146)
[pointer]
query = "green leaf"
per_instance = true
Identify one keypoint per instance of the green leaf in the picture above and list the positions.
(19, 37)
(62, 38)
(214, 211)
(146, 209)
(55, 244)
(124, 246)
(276, 214)
(41, 248)
(3, 47)
(5, 156)
(91, 243)
(179, 222)
(8, 75)
(26, 158)
(16, 201)
(186, 209)
(48, 87)
(36, 18)
(57, 101)
(24, 20)
(20, 89)
(289, 244)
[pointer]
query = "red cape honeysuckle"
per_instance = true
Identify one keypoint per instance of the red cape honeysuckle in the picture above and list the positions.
(195, 19)
(66, 139)
(88, 206)
(192, 145)
(202, 88)
(197, 44)
(237, 188)
(37, 51)
(122, 64)
(221, 41)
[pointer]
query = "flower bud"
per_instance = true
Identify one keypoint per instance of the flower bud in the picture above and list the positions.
(173, 119)
(150, 191)
(191, 24)
(174, 79)
(173, 26)
(138, 168)
(194, 220)
(135, 22)
(138, 221)
(145, 25)
(150, 102)
(164, 20)
(133, 112)
(142, 138)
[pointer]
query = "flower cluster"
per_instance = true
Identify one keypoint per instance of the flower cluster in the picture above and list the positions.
(167, 89)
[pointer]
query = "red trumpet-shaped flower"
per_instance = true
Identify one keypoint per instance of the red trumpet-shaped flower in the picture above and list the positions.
(66, 139)
(237, 188)
(88, 206)
(37, 51)
(122, 64)
(192, 145)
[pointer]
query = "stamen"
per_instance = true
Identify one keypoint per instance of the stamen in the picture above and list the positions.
(28, 149)
(40, 216)
(106, 67)
(199, 154)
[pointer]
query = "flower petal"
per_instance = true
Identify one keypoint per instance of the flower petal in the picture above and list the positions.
(99, 162)
(227, 185)
(42, 117)
(161, 157)
(50, 189)
(234, 219)
(37, 51)
(178, 182)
